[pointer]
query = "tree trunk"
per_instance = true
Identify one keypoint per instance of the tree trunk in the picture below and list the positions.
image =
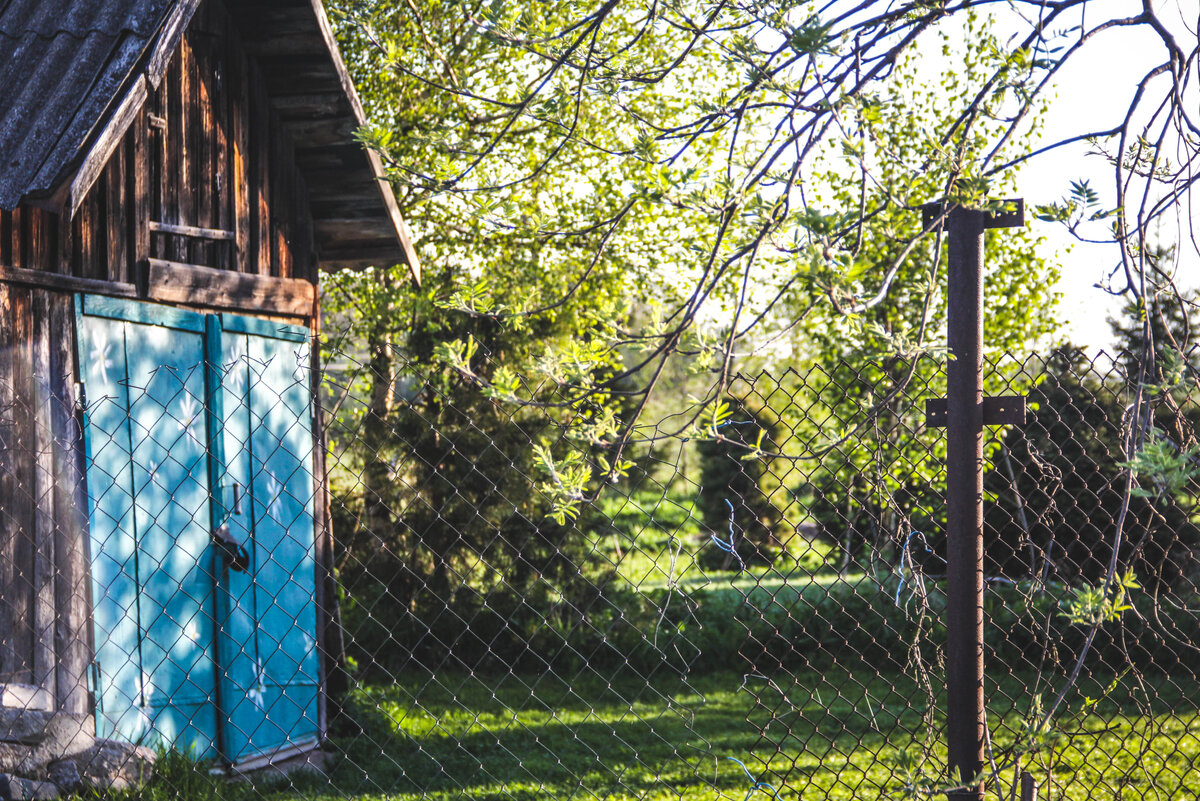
(377, 489)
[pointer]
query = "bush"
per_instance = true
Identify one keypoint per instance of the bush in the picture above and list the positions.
(796, 621)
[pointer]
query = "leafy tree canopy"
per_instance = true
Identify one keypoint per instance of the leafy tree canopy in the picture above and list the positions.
(744, 170)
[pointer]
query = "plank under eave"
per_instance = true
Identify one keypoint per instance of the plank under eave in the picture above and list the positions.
(223, 289)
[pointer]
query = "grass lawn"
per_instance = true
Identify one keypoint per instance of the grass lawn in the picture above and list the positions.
(829, 735)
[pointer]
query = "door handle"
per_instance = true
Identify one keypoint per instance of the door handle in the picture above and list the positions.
(234, 508)
(235, 555)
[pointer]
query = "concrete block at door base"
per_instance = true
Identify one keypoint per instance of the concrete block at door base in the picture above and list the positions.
(14, 788)
(25, 696)
(24, 726)
(100, 765)
(108, 766)
(65, 735)
(65, 775)
(60, 736)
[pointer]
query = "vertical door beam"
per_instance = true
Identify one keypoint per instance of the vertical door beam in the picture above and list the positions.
(218, 513)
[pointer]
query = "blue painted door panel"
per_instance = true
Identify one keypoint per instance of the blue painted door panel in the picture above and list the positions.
(152, 566)
(238, 648)
(196, 425)
(286, 569)
(283, 509)
(271, 676)
(168, 428)
(113, 544)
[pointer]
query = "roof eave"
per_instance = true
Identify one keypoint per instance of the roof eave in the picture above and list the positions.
(403, 238)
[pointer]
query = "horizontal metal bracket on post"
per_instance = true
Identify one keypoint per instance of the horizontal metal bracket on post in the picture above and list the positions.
(998, 411)
(1011, 214)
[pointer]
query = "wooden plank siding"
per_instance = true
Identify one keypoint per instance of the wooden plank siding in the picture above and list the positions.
(19, 506)
(72, 600)
(206, 152)
(43, 604)
(14, 656)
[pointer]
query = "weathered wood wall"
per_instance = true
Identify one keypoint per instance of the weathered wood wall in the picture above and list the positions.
(44, 633)
(207, 153)
(203, 185)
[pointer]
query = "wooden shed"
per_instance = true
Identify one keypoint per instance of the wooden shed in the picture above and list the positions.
(174, 176)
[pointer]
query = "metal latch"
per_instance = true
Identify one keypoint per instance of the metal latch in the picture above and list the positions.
(236, 557)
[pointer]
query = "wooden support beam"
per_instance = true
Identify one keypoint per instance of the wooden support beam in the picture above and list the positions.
(1008, 213)
(358, 258)
(101, 151)
(223, 289)
(168, 39)
(66, 283)
(193, 231)
(19, 502)
(1029, 787)
(11, 626)
(72, 633)
(44, 444)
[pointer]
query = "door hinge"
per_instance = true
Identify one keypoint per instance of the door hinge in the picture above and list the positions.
(97, 692)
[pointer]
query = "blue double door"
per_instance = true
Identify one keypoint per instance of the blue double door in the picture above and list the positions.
(201, 488)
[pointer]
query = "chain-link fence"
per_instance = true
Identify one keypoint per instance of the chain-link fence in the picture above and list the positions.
(392, 587)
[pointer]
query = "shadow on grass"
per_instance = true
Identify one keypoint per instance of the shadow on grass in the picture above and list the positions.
(606, 750)
(454, 733)
(518, 736)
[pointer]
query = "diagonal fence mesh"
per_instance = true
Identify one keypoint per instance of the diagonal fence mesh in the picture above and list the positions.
(394, 584)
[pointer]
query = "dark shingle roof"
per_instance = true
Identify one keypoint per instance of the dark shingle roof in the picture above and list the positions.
(62, 65)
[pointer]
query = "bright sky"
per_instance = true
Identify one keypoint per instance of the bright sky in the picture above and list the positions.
(1093, 92)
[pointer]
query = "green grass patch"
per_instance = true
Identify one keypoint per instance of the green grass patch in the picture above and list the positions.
(829, 735)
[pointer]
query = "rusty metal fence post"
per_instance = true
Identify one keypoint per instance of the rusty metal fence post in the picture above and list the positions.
(966, 412)
(964, 502)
